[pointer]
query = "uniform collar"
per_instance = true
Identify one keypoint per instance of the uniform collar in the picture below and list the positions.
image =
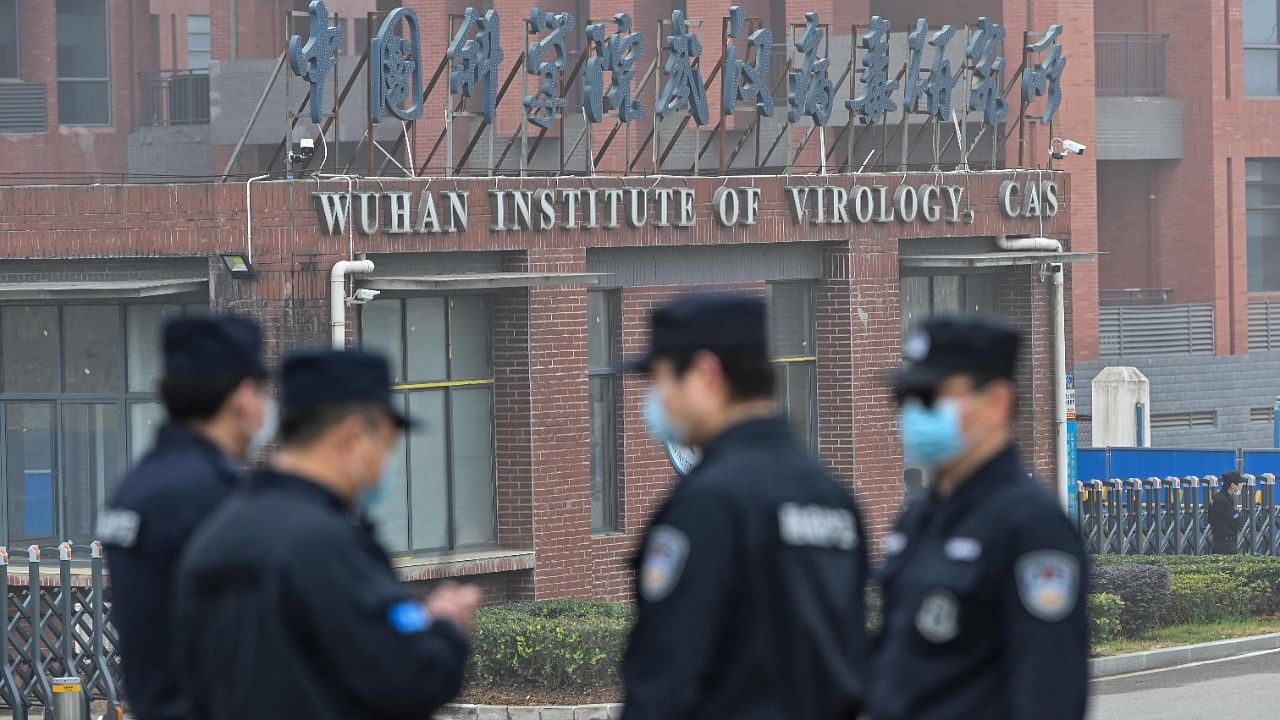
(272, 478)
(176, 435)
(750, 432)
(1002, 467)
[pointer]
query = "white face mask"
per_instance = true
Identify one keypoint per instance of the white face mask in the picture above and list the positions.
(258, 441)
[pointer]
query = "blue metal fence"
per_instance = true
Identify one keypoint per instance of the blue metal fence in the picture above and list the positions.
(1112, 463)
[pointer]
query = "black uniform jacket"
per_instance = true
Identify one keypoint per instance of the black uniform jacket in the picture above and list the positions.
(1224, 520)
(750, 590)
(288, 608)
(145, 528)
(984, 601)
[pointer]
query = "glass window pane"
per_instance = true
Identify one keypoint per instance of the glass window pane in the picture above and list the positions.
(981, 293)
(29, 349)
(82, 39)
(915, 302)
(93, 462)
(8, 38)
(604, 453)
(94, 349)
(82, 102)
(946, 294)
(145, 359)
(428, 349)
(1260, 22)
(198, 24)
(391, 515)
(471, 440)
(361, 34)
(801, 403)
(791, 320)
(380, 331)
(429, 471)
(1261, 78)
(469, 338)
(145, 420)
(600, 324)
(29, 471)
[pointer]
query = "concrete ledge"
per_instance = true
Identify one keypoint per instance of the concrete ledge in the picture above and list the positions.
(1169, 657)
(517, 712)
(436, 567)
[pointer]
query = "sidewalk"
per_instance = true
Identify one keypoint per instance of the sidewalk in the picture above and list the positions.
(1181, 655)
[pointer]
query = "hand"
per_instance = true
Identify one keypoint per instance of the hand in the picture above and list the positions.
(454, 602)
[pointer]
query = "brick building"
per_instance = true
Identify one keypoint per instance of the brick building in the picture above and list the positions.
(534, 474)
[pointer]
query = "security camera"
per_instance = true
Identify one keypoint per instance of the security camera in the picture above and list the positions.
(362, 296)
(306, 148)
(1072, 146)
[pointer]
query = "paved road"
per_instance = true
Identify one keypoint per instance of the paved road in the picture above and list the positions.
(1243, 687)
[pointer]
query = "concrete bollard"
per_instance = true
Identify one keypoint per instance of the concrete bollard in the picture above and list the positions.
(68, 698)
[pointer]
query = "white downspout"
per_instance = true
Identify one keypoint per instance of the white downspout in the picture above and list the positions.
(248, 211)
(1004, 242)
(338, 297)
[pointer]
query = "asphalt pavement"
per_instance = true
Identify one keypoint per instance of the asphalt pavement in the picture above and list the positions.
(1244, 687)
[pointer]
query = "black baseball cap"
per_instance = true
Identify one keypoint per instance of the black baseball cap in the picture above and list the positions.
(204, 345)
(977, 345)
(722, 323)
(313, 379)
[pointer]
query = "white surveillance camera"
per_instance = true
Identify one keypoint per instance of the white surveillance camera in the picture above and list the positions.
(1072, 146)
(362, 296)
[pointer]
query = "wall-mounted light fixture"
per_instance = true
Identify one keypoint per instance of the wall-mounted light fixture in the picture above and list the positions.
(238, 265)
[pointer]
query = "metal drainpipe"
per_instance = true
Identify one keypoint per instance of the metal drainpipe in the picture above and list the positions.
(248, 211)
(338, 295)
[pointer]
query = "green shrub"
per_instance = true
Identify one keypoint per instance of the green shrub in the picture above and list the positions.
(1145, 590)
(1207, 597)
(1105, 613)
(1258, 577)
(556, 644)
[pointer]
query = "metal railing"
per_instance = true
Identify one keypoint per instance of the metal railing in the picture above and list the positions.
(1170, 516)
(173, 97)
(57, 627)
(1130, 64)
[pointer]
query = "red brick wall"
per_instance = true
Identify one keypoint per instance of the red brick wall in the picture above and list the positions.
(1126, 211)
(1122, 16)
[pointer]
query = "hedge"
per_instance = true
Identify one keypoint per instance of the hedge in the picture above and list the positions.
(1146, 591)
(555, 644)
(1105, 613)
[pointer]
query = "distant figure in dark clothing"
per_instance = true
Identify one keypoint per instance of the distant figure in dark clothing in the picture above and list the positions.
(1224, 516)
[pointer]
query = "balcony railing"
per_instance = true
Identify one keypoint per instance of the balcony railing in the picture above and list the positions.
(1130, 64)
(1135, 296)
(174, 97)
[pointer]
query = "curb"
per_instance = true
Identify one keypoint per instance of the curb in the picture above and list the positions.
(526, 712)
(1170, 657)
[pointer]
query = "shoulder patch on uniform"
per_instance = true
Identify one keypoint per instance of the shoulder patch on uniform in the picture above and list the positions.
(964, 549)
(1047, 583)
(817, 526)
(664, 557)
(938, 619)
(408, 616)
(894, 543)
(119, 527)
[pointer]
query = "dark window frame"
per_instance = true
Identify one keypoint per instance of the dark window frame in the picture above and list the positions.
(1256, 267)
(105, 79)
(1271, 48)
(13, 22)
(602, 374)
(787, 365)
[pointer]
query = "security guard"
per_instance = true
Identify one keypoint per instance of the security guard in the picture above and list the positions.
(751, 576)
(1224, 516)
(984, 577)
(215, 393)
(286, 605)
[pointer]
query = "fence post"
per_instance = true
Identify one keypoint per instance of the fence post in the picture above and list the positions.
(68, 659)
(100, 661)
(11, 693)
(35, 614)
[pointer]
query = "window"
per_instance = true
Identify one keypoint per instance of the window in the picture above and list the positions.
(793, 331)
(925, 295)
(1261, 49)
(78, 403)
(603, 341)
(198, 42)
(9, 39)
(440, 349)
(1262, 213)
(84, 85)
(361, 35)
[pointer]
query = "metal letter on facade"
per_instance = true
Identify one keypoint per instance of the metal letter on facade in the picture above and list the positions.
(617, 54)
(396, 68)
(1045, 78)
(875, 99)
(745, 82)
(683, 88)
(475, 55)
(984, 51)
(545, 105)
(810, 88)
(313, 60)
(938, 85)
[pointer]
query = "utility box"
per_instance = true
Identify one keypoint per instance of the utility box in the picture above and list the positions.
(1121, 408)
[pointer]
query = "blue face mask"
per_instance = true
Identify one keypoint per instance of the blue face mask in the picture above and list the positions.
(660, 425)
(373, 497)
(931, 436)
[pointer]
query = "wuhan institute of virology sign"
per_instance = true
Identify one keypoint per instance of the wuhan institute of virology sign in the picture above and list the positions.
(475, 55)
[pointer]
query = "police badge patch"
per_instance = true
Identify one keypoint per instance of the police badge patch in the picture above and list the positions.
(663, 563)
(938, 620)
(1047, 583)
